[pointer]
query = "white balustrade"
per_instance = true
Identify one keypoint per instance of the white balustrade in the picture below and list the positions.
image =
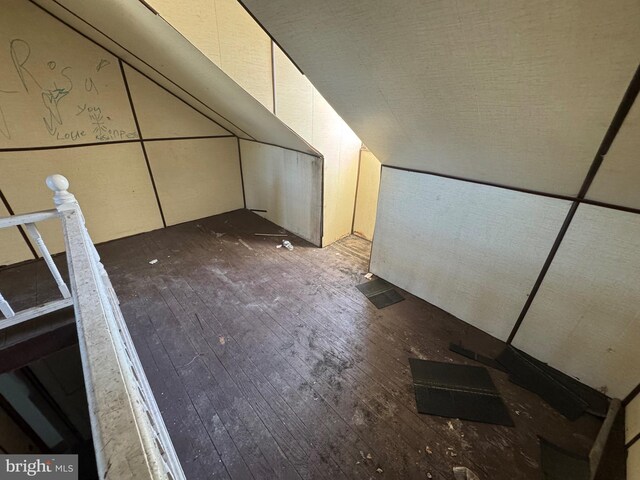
(130, 438)
(121, 404)
(28, 220)
(5, 308)
(33, 232)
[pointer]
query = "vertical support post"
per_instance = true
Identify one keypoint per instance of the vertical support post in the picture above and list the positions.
(44, 251)
(5, 308)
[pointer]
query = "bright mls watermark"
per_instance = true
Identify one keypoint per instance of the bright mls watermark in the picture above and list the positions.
(49, 467)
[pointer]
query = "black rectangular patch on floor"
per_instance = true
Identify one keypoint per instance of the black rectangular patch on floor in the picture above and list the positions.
(465, 352)
(457, 391)
(559, 464)
(374, 287)
(529, 375)
(380, 292)
(384, 299)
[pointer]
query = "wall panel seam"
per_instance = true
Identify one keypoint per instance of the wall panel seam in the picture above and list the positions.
(624, 107)
(244, 197)
(631, 396)
(355, 199)
(569, 198)
(136, 69)
(144, 150)
(270, 36)
(110, 142)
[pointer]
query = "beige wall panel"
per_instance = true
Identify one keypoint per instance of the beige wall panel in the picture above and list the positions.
(341, 149)
(618, 180)
(287, 184)
(197, 21)
(57, 88)
(294, 96)
(632, 419)
(133, 32)
(585, 319)
(13, 248)
(161, 115)
(111, 183)
(364, 218)
(340, 223)
(196, 178)
(513, 92)
(303, 109)
(472, 250)
(633, 462)
(245, 51)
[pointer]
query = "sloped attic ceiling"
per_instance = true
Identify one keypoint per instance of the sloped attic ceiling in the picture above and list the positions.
(143, 39)
(517, 93)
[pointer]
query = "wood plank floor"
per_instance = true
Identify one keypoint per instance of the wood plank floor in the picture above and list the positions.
(268, 363)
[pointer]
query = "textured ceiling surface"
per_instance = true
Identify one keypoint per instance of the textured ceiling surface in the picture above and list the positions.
(512, 92)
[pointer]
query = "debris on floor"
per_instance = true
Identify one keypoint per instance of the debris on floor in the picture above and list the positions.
(457, 391)
(154, 261)
(193, 360)
(287, 244)
(380, 292)
(463, 473)
(245, 244)
(368, 275)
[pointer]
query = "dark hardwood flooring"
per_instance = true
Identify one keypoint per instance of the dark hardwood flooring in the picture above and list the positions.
(268, 363)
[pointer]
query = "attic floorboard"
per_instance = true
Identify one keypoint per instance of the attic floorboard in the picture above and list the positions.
(268, 363)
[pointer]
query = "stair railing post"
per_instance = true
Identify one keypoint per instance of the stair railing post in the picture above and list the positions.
(33, 232)
(118, 391)
(67, 201)
(5, 308)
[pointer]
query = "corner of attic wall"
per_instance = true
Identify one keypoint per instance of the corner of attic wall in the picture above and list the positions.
(163, 139)
(145, 136)
(589, 277)
(307, 116)
(368, 186)
(168, 71)
(285, 187)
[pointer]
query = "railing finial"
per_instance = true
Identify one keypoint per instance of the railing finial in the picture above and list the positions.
(59, 184)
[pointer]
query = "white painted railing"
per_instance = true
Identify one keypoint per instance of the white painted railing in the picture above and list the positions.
(130, 438)
(29, 221)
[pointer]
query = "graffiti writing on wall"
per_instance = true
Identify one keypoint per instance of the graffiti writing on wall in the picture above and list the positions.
(67, 99)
